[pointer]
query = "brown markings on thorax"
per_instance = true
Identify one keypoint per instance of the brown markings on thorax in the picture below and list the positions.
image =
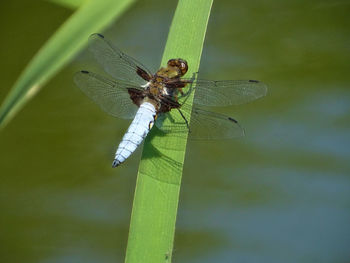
(166, 77)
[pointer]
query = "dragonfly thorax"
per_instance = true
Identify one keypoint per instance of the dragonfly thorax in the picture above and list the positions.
(175, 68)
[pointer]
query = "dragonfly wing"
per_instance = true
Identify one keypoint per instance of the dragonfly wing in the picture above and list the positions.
(112, 96)
(227, 92)
(205, 125)
(116, 63)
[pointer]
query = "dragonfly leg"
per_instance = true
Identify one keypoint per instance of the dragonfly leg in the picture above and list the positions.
(183, 116)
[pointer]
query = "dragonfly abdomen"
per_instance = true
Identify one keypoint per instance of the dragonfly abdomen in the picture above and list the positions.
(136, 132)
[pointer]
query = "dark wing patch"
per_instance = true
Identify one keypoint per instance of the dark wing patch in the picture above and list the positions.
(176, 83)
(136, 96)
(143, 74)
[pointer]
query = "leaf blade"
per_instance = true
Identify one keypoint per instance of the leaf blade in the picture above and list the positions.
(152, 226)
(59, 50)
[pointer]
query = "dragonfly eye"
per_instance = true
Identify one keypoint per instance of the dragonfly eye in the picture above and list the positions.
(179, 63)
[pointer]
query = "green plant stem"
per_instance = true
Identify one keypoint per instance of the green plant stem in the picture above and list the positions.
(153, 218)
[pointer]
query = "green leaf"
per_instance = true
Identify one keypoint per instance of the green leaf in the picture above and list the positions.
(65, 43)
(157, 190)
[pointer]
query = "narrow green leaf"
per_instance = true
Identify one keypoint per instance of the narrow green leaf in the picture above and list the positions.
(157, 190)
(70, 38)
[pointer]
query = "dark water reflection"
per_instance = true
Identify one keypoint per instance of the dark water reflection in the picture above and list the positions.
(281, 194)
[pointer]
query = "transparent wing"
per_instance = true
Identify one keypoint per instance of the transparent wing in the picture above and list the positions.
(112, 96)
(209, 125)
(116, 63)
(205, 125)
(227, 92)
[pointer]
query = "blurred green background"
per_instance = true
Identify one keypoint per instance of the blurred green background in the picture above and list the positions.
(280, 194)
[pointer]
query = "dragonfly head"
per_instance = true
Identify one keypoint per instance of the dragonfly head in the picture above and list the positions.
(180, 64)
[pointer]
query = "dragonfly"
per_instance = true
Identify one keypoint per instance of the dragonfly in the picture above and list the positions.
(131, 91)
